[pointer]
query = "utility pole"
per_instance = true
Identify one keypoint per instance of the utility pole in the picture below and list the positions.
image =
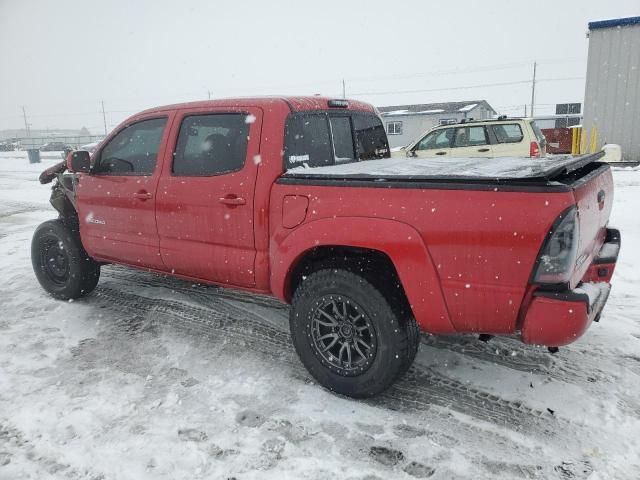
(525, 110)
(26, 124)
(209, 94)
(104, 117)
(344, 89)
(533, 88)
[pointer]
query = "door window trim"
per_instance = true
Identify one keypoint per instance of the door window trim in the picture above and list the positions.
(484, 129)
(435, 131)
(159, 160)
(183, 116)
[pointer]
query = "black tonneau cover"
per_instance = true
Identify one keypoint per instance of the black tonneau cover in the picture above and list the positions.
(457, 169)
(514, 174)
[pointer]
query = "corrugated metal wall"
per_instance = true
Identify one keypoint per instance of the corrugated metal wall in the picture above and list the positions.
(612, 95)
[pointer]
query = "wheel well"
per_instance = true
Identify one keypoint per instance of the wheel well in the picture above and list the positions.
(375, 266)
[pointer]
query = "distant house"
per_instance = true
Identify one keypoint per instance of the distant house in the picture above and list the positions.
(405, 123)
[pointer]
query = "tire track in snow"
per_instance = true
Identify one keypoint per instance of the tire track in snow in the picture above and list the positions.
(499, 351)
(513, 354)
(419, 390)
(8, 209)
(18, 448)
(195, 290)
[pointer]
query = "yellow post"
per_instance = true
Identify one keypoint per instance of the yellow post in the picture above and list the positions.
(594, 140)
(576, 132)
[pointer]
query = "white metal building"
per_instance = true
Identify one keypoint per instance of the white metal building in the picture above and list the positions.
(405, 123)
(612, 93)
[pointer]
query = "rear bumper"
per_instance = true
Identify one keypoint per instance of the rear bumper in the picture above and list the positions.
(601, 269)
(556, 318)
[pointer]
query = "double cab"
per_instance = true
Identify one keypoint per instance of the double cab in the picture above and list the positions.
(297, 198)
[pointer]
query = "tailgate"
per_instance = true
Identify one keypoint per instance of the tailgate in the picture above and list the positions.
(594, 198)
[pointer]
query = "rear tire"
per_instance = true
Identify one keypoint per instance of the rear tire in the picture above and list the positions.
(61, 264)
(350, 338)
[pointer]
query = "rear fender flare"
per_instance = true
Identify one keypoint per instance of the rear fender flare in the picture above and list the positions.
(399, 241)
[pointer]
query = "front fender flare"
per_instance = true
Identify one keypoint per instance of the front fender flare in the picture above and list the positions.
(399, 241)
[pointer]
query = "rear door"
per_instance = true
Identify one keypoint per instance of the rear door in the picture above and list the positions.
(117, 200)
(436, 143)
(471, 141)
(205, 209)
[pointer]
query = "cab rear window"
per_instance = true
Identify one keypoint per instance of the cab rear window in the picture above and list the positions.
(321, 139)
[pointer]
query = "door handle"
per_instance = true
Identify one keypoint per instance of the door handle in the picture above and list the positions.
(483, 149)
(232, 200)
(143, 195)
(441, 153)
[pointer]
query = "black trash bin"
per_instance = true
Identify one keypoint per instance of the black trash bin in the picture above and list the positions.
(34, 155)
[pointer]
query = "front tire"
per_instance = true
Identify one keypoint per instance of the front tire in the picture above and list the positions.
(347, 334)
(61, 264)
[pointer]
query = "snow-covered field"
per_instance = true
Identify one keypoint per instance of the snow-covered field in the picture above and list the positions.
(154, 378)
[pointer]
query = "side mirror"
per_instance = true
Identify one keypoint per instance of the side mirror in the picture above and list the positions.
(79, 161)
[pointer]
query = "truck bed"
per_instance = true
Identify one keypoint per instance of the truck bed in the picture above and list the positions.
(467, 169)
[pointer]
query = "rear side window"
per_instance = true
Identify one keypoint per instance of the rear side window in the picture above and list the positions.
(211, 145)
(470, 137)
(508, 132)
(321, 139)
(133, 150)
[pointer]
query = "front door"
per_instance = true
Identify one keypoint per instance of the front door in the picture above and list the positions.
(205, 209)
(117, 200)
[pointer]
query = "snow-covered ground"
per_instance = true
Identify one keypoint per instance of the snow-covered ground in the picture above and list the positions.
(154, 378)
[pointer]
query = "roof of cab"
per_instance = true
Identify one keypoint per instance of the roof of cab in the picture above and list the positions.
(295, 104)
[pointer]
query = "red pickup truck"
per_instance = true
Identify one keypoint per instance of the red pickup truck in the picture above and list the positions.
(298, 198)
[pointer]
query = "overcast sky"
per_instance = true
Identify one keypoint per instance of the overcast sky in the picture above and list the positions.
(61, 58)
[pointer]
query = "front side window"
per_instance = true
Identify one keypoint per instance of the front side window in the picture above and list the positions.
(211, 145)
(435, 140)
(470, 137)
(133, 151)
(508, 132)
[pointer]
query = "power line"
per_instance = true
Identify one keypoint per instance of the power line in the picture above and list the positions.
(466, 87)
(426, 90)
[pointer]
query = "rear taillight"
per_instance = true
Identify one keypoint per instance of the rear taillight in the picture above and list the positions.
(558, 256)
(534, 150)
